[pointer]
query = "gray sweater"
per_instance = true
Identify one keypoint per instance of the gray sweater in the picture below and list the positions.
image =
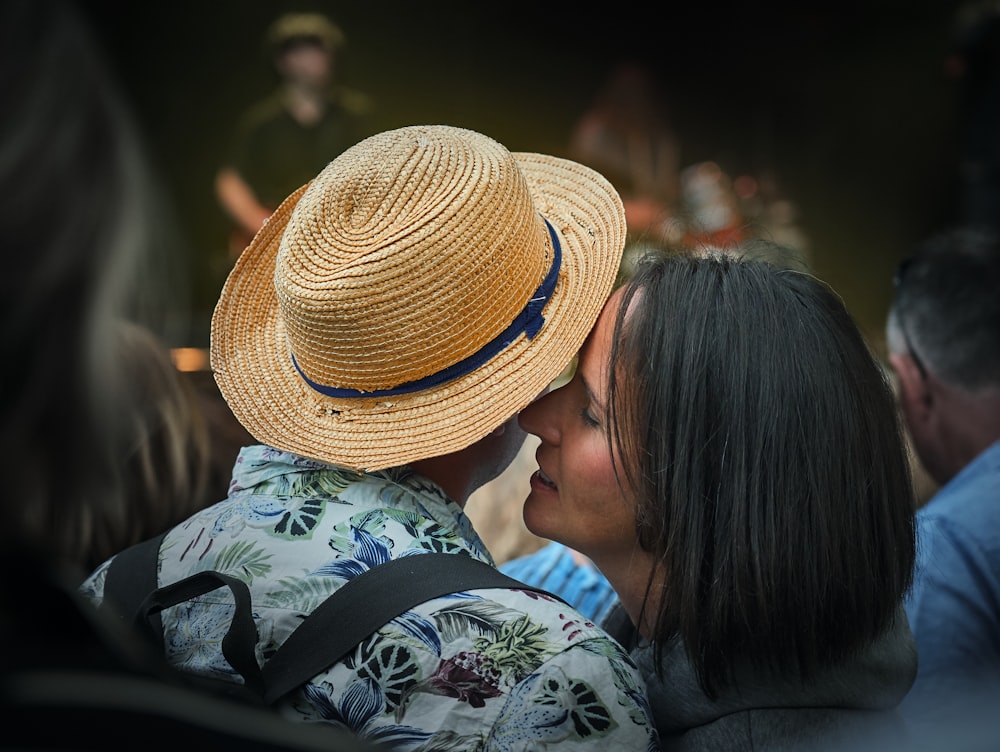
(848, 707)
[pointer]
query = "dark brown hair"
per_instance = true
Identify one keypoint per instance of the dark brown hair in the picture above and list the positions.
(761, 439)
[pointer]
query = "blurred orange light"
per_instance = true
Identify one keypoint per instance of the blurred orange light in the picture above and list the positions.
(190, 358)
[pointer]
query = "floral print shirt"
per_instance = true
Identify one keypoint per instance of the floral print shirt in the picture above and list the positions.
(490, 669)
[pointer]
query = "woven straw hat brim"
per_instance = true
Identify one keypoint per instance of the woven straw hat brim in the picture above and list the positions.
(256, 376)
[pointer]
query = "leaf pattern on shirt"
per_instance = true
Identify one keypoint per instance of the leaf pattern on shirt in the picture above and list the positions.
(410, 520)
(493, 669)
(519, 646)
(368, 551)
(559, 709)
(198, 643)
(412, 626)
(391, 666)
(303, 594)
(631, 693)
(435, 538)
(300, 522)
(240, 559)
(472, 615)
(362, 703)
(256, 511)
(324, 485)
(367, 528)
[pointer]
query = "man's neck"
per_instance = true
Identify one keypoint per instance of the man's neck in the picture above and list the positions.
(452, 476)
(972, 425)
(305, 103)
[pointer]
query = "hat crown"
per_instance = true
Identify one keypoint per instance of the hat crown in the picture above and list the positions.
(407, 254)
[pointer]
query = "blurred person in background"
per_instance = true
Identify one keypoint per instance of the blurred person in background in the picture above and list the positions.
(943, 336)
(86, 240)
(626, 135)
(166, 456)
(710, 213)
(567, 573)
(283, 141)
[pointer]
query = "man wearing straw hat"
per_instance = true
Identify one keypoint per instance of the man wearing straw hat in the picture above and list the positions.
(378, 337)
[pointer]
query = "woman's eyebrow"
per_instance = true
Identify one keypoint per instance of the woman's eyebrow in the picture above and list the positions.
(591, 395)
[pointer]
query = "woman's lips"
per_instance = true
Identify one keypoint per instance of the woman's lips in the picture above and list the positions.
(544, 479)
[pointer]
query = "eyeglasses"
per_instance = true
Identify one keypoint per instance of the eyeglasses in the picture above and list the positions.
(897, 283)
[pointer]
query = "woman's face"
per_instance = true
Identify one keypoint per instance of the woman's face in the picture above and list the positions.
(575, 497)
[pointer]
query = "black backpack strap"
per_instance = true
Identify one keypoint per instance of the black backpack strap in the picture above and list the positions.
(131, 576)
(356, 610)
(378, 596)
(239, 644)
(132, 593)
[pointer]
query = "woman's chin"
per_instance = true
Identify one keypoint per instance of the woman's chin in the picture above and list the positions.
(536, 514)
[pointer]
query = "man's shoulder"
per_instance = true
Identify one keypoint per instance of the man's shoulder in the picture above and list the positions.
(529, 661)
(958, 557)
(963, 517)
(263, 113)
(968, 505)
(352, 101)
(547, 628)
(980, 478)
(956, 549)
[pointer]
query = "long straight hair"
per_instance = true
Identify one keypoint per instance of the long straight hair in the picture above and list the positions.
(761, 440)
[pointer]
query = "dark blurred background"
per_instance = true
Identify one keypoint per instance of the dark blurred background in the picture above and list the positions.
(850, 106)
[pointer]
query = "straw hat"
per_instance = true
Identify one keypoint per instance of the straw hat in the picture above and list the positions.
(426, 286)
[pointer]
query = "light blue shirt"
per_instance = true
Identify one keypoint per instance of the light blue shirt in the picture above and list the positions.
(954, 606)
(579, 583)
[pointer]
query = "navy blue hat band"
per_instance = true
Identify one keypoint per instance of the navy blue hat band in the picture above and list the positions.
(529, 321)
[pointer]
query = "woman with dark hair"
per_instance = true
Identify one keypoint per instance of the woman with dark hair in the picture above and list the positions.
(728, 453)
(86, 238)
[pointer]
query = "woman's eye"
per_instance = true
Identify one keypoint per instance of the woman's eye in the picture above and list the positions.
(589, 419)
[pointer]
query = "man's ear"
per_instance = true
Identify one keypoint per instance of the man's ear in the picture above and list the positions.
(915, 393)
